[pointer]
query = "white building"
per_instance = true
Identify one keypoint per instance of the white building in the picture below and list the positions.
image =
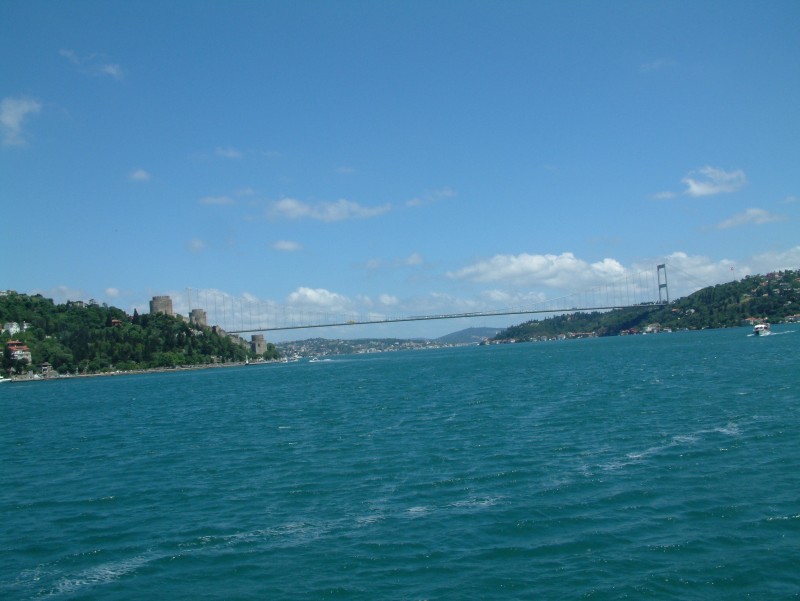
(12, 327)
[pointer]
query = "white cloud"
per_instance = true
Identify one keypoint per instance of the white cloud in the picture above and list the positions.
(307, 305)
(777, 261)
(290, 208)
(413, 259)
(663, 195)
(230, 311)
(688, 273)
(505, 299)
(114, 71)
(709, 181)
(440, 303)
(112, 292)
(196, 245)
(286, 246)
(139, 175)
(431, 197)
(364, 300)
(62, 294)
(558, 271)
(70, 56)
(216, 200)
(13, 112)
(496, 296)
(319, 299)
(565, 272)
(701, 267)
(656, 65)
(750, 217)
(93, 64)
(228, 152)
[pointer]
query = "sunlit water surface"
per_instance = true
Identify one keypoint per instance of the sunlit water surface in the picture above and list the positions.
(659, 467)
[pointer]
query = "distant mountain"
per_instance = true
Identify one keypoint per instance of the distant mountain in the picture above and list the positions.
(469, 336)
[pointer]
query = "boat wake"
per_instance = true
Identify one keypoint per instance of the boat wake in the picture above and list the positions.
(764, 335)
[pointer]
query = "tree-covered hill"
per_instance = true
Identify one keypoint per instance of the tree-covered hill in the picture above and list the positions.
(82, 337)
(773, 297)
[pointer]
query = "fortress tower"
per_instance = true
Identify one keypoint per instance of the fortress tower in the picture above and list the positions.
(257, 344)
(161, 304)
(198, 317)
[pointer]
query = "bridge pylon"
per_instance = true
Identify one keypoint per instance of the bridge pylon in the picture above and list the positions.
(662, 286)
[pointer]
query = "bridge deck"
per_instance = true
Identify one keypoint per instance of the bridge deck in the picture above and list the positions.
(448, 316)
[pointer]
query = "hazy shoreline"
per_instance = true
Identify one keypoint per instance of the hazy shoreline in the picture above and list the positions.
(154, 370)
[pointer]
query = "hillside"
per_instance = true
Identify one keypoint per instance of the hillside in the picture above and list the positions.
(90, 338)
(774, 297)
(334, 346)
(469, 336)
(315, 347)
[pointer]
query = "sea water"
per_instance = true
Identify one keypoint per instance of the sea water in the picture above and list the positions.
(660, 467)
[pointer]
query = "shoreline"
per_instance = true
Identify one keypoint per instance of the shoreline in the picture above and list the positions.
(153, 370)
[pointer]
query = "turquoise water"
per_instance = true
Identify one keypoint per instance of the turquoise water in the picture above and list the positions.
(659, 467)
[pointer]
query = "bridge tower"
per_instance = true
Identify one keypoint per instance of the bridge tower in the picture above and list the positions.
(662, 286)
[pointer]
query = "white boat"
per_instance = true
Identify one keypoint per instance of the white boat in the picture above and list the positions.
(761, 329)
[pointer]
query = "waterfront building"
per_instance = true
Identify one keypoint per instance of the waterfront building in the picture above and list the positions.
(19, 351)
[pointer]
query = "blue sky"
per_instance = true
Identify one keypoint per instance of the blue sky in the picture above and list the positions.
(393, 158)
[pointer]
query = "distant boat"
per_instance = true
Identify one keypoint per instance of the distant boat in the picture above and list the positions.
(761, 329)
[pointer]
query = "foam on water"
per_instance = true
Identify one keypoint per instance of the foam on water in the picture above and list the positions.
(98, 575)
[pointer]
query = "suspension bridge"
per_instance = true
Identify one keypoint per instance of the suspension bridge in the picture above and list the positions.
(245, 315)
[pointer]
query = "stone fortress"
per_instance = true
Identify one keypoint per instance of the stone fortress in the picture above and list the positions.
(198, 318)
